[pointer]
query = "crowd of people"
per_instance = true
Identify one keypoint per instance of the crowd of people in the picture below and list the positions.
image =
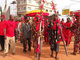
(13, 30)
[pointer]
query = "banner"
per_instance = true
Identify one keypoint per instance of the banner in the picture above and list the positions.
(65, 12)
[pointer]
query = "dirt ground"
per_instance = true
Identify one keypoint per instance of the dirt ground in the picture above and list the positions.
(44, 56)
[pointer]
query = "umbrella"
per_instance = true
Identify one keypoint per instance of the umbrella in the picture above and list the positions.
(34, 12)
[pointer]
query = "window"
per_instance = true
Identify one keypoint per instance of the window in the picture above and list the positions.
(18, 2)
(29, 8)
(24, 8)
(18, 9)
(50, 10)
(24, 1)
(30, 1)
(46, 10)
(38, 2)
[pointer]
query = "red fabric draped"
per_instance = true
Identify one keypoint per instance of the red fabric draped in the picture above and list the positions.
(46, 31)
(67, 33)
(43, 1)
(74, 19)
(42, 6)
(53, 7)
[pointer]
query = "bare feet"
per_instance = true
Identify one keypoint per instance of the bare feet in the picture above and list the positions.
(74, 53)
(5, 55)
(79, 52)
(51, 55)
(56, 58)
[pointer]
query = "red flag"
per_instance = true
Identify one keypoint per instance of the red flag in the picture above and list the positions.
(53, 7)
(42, 6)
(43, 1)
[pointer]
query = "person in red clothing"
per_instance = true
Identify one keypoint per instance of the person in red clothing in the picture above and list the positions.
(37, 21)
(10, 35)
(62, 22)
(76, 30)
(73, 19)
(16, 35)
(46, 31)
(54, 28)
(2, 26)
(67, 33)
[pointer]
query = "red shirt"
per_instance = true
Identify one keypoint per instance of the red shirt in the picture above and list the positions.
(66, 32)
(2, 26)
(10, 27)
(37, 27)
(54, 26)
(17, 22)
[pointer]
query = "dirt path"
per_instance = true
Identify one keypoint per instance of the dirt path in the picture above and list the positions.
(45, 54)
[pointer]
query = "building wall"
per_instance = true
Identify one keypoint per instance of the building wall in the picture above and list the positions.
(27, 5)
(13, 9)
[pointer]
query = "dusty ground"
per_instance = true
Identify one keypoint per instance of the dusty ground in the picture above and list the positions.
(45, 54)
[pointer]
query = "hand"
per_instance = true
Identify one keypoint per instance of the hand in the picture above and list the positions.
(4, 37)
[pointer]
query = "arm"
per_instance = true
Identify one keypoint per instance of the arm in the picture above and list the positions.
(5, 33)
(22, 30)
(16, 29)
(5, 26)
(73, 27)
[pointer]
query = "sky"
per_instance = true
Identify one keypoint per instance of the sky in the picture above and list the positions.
(67, 4)
(61, 4)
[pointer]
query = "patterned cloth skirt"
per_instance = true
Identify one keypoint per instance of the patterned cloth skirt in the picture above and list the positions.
(54, 46)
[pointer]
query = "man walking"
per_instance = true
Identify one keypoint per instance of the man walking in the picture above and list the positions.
(67, 33)
(54, 32)
(76, 30)
(10, 35)
(26, 34)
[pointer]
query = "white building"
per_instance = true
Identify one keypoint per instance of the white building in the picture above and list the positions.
(27, 5)
(13, 9)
